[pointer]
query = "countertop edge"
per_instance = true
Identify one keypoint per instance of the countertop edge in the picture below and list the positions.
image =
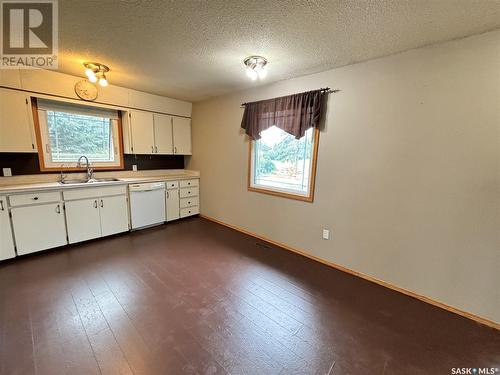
(22, 188)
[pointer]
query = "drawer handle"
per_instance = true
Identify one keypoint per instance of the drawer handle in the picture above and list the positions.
(35, 198)
(189, 183)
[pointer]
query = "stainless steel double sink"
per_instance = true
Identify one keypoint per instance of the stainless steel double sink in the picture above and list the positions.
(85, 181)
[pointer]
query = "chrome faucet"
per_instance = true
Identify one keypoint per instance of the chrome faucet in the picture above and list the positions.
(62, 177)
(90, 171)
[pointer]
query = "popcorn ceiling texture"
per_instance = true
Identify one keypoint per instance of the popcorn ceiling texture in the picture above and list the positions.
(193, 50)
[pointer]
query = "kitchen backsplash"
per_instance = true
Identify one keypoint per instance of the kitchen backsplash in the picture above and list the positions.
(27, 163)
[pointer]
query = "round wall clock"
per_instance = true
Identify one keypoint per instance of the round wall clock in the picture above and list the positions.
(86, 90)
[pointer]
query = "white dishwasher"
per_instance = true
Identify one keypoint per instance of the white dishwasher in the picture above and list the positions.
(147, 204)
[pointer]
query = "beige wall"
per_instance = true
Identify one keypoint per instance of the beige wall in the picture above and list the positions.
(408, 172)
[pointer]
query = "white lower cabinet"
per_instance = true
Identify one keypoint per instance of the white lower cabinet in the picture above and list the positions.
(114, 215)
(182, 198)
(172, 204)
(6, 242)
(97, 216)
(38, 227)
(41, 220)
(82, 218)
(189, 211)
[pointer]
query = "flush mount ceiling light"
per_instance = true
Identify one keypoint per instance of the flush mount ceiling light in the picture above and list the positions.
(256, 67)
(96, 72)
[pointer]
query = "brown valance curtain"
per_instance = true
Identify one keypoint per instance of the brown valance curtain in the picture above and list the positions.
(293, 113)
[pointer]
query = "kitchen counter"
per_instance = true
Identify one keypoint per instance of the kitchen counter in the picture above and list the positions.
(53, 185)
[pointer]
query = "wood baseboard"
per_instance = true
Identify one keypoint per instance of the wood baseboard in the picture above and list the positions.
(476, 318)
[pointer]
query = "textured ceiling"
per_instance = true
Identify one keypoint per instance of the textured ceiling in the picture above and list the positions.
(194, 49)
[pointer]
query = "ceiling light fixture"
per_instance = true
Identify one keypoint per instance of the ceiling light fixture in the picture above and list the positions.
(256, 67)
(96, 72)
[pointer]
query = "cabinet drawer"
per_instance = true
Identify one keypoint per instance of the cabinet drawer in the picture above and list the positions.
(36, 197)
(93, 192)
(189, 183)
(188, 192)
(185, 212)
(189, 202)
(172, 184)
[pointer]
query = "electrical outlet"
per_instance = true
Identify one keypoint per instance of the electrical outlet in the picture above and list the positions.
(7, 172)
(326, 234)
(134, 167)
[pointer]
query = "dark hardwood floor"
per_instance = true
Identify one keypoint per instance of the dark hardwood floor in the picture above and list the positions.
(196, 297)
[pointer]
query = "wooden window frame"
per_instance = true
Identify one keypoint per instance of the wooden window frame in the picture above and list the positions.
(41, 158)
(277, 192)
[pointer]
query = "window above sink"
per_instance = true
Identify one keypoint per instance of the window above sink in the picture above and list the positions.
(67, 131)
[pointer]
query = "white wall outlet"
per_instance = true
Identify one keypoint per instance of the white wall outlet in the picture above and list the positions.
(7, 172)
(326, 234)
(134, 167)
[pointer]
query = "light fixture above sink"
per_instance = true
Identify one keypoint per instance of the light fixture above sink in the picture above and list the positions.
(96, 72)
(256, 67)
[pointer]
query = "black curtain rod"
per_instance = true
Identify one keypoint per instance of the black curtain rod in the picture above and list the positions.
(327, 90)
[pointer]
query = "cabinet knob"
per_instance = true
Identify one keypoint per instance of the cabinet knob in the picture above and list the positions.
(35, 198)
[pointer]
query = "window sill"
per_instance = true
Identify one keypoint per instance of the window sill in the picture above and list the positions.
(304, 198)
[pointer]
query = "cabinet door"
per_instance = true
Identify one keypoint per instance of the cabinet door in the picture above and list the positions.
(6, 241)
(15, 124)
(163, 134)
(141, 129)
(172, 204)
(182, 135)
(38, 227)
(114, 214)
(82, 218)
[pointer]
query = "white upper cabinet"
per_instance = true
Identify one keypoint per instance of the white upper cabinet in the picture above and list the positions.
(142, 132)
(16, 130)
(149, 133)
(163, 134)
(182, 135)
